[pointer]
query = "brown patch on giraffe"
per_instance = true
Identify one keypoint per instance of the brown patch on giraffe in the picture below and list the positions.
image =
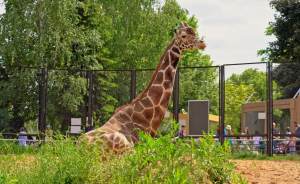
(169, 74)
(174, 59)
(176, 50)
(140, 120)
(138, 107)
(122, 117)
(155, 93)
(159, 78)
(129, 111)
(167, 84)
(165, 62)
(130, 126)
(148, 113)
(158, 115)
(165, 98)
(146, 102)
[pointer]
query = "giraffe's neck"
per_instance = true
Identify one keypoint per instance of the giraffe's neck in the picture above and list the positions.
(160, 88)
(168, 60)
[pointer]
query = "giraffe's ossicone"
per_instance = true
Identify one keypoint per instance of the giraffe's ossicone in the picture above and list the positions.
(147, 110)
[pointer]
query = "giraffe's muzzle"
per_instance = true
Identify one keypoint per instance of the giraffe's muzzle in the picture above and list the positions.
(201, 44)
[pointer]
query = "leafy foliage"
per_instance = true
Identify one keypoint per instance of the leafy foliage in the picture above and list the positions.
(286, 48)
(247, 87)
(198, 83)
(235, 97)
(180, 161)
(81, 34)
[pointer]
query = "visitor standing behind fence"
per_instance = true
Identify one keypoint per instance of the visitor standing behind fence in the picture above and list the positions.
(297, 133)
(22, 138)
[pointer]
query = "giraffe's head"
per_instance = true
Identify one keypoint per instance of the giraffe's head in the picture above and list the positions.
(187, 39)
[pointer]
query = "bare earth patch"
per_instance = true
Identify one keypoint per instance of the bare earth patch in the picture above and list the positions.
(269, 171)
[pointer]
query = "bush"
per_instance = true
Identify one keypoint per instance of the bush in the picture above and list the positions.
(161, 160)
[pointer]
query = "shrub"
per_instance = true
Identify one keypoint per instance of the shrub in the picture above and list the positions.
(160, 160)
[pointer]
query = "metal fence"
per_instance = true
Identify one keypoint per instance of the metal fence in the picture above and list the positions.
(98, 85)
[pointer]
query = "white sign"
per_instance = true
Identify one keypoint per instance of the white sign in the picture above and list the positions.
(261, 115)
(76, 121)
(75, 129)
(75, 125)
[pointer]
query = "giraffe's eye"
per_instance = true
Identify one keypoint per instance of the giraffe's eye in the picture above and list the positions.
(183, 36)
(190, 31)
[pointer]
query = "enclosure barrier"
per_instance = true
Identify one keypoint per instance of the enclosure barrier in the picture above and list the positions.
(43, 79)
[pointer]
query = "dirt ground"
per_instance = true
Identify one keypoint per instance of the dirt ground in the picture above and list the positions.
(269, 171)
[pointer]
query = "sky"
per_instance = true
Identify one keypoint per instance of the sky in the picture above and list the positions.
(234, 30)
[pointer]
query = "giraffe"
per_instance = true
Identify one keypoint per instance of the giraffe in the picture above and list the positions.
(146, 111)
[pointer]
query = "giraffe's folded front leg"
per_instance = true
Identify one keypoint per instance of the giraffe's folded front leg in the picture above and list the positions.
(117, 142)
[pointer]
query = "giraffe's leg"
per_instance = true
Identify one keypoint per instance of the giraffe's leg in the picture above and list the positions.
(117, 142)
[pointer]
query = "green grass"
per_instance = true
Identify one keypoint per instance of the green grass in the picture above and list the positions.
(161, 160)
(247, 155)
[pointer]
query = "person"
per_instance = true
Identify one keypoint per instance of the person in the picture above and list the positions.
(289, 141)
(257, 141)
(89, 128)
(297, 134)
(244, 144)
(227, 132)
(22, 138)
(275, 131)
(181, 131)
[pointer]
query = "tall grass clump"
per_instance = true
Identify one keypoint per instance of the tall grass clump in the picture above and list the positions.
(153, 160)
(59, 161)
(166, 160)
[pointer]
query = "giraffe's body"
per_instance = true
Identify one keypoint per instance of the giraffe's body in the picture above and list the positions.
(147, 110)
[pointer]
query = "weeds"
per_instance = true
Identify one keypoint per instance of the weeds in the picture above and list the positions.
(161, 160)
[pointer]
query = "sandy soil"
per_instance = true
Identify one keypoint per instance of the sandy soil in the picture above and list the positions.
(269, 171)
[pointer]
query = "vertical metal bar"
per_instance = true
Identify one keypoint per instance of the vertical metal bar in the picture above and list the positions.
(221, 103)
(133, 85)
(90, 99)
(176, 96)
(269, 109)
(43, 78)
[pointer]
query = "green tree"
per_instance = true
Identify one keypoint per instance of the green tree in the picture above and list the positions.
(286, 48)
(198, 83)
(256, 79)
(235, 97)
(252, 84)
(79, 34)
(48, 34)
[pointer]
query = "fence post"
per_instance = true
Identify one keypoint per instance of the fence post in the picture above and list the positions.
(133, 85)
(43, 78)
(269, 109)
(221, 103)
(90, 99)
(176, 96)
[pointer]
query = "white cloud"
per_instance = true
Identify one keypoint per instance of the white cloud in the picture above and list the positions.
(233, 29)
(2, 8)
